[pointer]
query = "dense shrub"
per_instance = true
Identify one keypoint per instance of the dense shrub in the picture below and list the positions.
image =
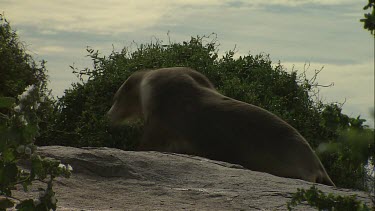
(18, 70)
(322, 201)
(349, 155)
(369, 19)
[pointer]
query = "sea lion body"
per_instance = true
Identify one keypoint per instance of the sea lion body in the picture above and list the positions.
(184, 113)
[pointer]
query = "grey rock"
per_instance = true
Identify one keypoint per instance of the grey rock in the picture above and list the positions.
(113, 179)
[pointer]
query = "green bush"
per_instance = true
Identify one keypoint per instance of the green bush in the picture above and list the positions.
(17, 134)
(18, 70)
(317, 199)
(369, 19)
(350, 156)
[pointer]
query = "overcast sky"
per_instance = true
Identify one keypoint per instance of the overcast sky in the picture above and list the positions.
(320, 32)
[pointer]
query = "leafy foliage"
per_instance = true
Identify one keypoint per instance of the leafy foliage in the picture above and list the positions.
(348, 160)
(21, 119)
(369, 20)
(18, 131)
(316, 198)
(17, 69)
(349, 151)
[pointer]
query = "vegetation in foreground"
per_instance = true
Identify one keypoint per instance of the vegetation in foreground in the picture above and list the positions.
(25, 104)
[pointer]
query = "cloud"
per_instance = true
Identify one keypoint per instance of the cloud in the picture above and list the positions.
(115, 16)
(49, 49)
(85, 16)
(324, 35)
(289, 3)
(48, 32)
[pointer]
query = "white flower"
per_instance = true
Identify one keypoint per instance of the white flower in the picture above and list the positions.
(23, 120)
(53, 200)
(36, 105)
(62, 166)
(28, 151)
(17, 108)
(21, 149)
(26, 92)
(30, 89)
(69, 167)
(22, 96)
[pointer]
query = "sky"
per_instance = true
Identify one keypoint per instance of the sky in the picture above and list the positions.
(321, 33)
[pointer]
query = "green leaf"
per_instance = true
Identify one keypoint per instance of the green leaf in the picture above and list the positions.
(37, 168)
(26, 185)
(8, 155)
(318, 199)
(30, 132)
(6, 203)
(26, 205)
(7, 102)
(9, 173)
(2, 142)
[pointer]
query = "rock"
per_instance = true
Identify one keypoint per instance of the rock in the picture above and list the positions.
(113, 179)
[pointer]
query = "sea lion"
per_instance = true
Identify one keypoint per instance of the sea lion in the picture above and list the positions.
(184, 113)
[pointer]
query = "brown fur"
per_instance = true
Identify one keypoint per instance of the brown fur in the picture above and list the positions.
(184, 113)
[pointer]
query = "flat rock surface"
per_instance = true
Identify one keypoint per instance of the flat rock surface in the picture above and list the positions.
(113, 179)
